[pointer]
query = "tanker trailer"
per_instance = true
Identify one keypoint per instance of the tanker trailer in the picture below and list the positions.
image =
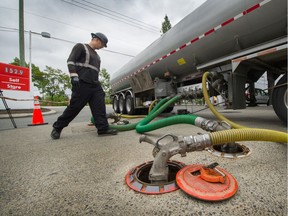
(239, 40)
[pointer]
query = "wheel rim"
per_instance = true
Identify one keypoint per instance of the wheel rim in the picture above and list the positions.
(285, 99)
(128, 105)
(121, 104)
(115, 105)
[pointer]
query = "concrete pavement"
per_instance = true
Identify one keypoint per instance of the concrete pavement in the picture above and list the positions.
(83, 174)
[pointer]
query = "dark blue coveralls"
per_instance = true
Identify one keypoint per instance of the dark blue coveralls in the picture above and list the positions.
(86, 63)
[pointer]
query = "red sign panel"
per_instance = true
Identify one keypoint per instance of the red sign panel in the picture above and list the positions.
(14, 77)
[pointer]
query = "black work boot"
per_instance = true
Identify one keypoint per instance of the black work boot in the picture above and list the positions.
(108, 132)
(55, 134)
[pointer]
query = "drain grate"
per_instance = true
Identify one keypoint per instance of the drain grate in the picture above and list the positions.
(138, 178)
(230, 150)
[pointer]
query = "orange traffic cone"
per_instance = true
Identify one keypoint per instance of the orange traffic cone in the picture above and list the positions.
(37, 118)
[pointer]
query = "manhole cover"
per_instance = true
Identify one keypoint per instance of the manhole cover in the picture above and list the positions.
(189, 180)
(138, 178)
(231, 150)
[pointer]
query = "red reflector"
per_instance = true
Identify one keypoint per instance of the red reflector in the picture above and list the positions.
(209, 32)
(252, 8)
(227, 22)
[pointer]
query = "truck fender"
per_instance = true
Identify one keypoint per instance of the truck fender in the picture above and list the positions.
(122, 94)
(129, 92)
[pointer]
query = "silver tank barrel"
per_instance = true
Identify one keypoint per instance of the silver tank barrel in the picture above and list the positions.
(215, 29)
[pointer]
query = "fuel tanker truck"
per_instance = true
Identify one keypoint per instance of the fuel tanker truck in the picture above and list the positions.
(237, 41)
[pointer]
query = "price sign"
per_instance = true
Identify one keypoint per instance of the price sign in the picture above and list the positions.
(14, 77)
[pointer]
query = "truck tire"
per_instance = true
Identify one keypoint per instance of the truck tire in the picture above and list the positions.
(129, 103)
(115, 105)
(122, 107)
(279, 99)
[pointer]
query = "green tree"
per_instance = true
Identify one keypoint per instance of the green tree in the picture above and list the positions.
(16, 61)
(55, 83)
(166, 25)
(104, 78)
(38, 77)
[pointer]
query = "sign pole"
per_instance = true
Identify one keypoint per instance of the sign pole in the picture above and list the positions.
(21, 34)
(30, 58)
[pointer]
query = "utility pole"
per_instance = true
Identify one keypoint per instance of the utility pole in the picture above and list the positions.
(21, 34)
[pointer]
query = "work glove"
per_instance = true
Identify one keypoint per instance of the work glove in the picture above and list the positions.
(75, 82)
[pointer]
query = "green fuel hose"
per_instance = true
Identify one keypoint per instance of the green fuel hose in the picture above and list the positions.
(179, 119)
(145, 125)
(133, 125)
(123, 127)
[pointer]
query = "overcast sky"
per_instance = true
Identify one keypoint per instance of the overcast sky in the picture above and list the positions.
(68, 20)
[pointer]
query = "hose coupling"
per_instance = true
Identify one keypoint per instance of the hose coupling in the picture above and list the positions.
(196, 143)
(211, 126)
(113, 116)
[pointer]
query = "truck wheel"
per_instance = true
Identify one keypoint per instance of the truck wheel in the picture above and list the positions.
(130, 105)
(279, 99)
(122, 108)
(115, 105)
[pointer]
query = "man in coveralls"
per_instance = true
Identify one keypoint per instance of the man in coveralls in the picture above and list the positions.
(83, 65)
